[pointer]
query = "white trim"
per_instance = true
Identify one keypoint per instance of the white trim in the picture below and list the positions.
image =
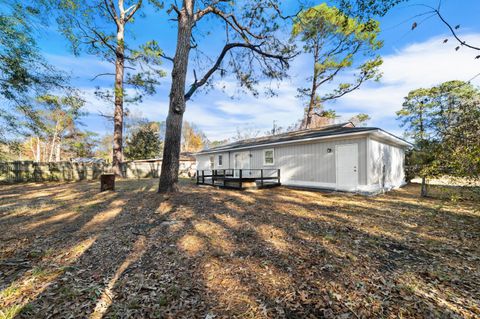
(378, 131)
(362, 189)
(310, 184)
(211, 163)
(218, 157)
(332, 186)
(368, 160)
(273, 157)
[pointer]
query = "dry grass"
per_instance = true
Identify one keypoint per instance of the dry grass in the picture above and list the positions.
(67, 250)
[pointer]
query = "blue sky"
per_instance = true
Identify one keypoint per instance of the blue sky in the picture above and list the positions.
(412, 59)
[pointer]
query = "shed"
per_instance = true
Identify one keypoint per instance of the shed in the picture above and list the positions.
(338, 157)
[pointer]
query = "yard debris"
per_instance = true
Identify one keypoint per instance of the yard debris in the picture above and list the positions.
(208, 253)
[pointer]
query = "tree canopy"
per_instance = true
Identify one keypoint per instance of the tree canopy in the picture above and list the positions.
(24, 73)
(334, 42)
(100, 28)
(144, 142)
(251, 49)
(444, 123)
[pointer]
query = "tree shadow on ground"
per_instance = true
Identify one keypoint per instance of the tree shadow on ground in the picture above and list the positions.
(271, 253)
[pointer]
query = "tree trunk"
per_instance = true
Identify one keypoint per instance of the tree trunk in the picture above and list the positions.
(173, 134)
(424, 189)
(117, 157)
(32, 148)
(38, 149)
(52, 147)
(58, 150)
(313, 92)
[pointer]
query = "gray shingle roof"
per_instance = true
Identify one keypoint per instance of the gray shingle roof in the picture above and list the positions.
(336, 129)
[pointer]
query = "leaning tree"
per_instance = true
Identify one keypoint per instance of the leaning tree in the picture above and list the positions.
(250, 49)
(335, 42)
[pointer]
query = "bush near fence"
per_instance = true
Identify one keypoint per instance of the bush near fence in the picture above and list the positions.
(29, 171)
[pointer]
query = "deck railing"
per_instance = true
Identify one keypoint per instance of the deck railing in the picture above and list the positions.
(221, 176)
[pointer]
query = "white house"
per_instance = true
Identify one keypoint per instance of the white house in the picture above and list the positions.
(339, 157)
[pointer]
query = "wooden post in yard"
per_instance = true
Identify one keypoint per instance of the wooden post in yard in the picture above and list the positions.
(107, 182)
(278, 173)
(261, 177)
(240, 178)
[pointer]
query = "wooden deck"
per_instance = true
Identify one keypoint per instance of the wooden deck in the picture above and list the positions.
(239, 178)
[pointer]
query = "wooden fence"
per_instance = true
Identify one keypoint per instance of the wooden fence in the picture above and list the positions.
(28, 171)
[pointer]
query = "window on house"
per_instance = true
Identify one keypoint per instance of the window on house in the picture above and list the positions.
(220, 160)
(212, 158)
(268, 157)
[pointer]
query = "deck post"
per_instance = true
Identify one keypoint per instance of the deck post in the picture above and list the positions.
(213, 177)
(240, 179)
(203, 176)
(278, 175)
(197, 177)
(261, 177)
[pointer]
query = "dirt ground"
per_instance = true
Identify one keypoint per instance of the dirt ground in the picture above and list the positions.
(68, 251)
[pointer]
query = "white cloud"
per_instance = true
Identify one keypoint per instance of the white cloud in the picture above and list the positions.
(431, 62)
(417, 65)
(83, 67)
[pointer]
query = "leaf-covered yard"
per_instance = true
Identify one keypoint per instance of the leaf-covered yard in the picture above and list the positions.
(68, 251)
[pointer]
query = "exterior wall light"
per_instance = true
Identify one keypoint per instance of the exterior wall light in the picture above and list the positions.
(329, 150)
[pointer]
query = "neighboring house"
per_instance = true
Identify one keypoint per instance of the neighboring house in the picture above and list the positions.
(340, 157)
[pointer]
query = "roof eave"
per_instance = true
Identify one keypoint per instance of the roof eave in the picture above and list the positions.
(393, 138)
(228, 149)
(380, 132)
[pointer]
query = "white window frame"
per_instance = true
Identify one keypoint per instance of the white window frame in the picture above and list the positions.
(211, 161)
(220, 156)
(273, 157)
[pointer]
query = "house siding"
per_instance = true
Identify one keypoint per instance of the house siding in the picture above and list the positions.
(310, 162)
(306, 162)
(386, 165)
(203, 161)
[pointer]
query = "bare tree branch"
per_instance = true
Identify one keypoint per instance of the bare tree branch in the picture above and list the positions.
(93, 40)
(166, 57)
(346, 91)
(279, 12)
(174, 8)
(133, 9)
(436, 11)
(112, 11)
(230, 19)
(452, 30)
(104, 40)
(255, 48)
(101, 74)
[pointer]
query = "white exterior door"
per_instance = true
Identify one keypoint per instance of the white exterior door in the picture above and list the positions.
(241, 161)
(347, 166)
